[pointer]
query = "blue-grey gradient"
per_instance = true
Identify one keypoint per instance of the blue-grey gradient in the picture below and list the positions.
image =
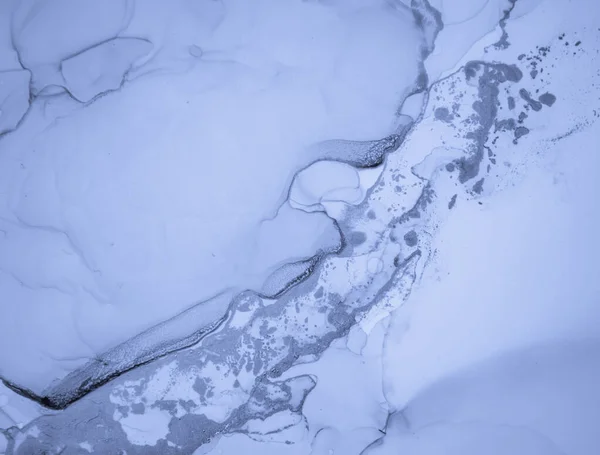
(317, 227)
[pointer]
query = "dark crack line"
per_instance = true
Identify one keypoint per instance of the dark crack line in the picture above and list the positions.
(58, 402)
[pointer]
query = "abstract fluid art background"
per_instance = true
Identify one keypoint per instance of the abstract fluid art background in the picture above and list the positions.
(299, 227)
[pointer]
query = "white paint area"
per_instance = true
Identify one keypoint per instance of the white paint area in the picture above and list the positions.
(146, 429)
(86, 446)
(16, 410)
(328, 185)
(160, 192)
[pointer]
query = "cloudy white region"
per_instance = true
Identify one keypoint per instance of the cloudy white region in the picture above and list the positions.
(441, 302)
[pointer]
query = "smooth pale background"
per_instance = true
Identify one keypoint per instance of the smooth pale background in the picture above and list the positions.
(120, 214)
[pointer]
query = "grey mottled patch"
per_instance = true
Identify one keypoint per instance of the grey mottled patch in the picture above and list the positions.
(508, 124)
(533, 104)
(188, 405)
(522, 117)
(469, 167)
(357, 238)
(478, 186)
(202, 387)
(511, 103)
(452, 202)
(471, 70)
(520, 132)
(443, 114)
(547, 98)
(424, 200)
(411, 238)
(138, 408)
(166, 405)
(486, 109)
